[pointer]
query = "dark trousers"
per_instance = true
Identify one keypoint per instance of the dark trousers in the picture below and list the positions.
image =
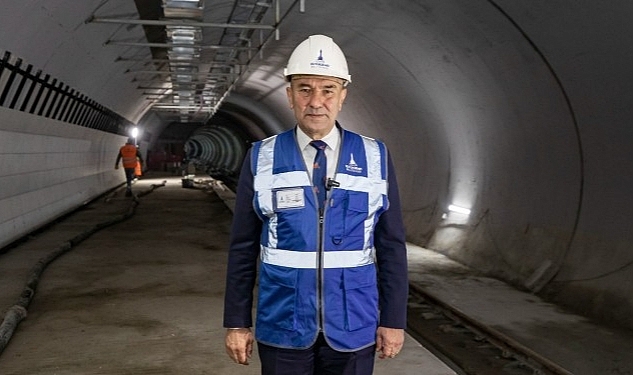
(319, 359)
(129, 176)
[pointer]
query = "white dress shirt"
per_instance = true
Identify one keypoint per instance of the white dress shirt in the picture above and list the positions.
(332, 139)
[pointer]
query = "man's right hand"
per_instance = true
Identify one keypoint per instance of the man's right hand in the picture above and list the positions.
(239, 344)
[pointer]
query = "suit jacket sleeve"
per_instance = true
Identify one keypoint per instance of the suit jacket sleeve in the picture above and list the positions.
(243, 253)
(391, 259)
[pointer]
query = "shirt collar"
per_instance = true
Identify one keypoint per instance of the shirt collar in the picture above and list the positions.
(332, 139)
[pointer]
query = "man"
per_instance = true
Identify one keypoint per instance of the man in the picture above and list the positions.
(131, 156)
(333, 267)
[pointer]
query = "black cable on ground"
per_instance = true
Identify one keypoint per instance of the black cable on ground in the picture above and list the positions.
(18, 312)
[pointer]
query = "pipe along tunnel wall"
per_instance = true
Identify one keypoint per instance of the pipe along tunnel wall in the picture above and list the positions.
(218, 148)
(217, 151)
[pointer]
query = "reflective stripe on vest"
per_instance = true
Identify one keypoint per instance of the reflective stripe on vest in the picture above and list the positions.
(309, 260)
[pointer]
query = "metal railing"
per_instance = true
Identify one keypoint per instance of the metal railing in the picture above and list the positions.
(42, 95)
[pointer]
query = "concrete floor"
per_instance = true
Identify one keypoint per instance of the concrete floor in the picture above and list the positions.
(143, 296)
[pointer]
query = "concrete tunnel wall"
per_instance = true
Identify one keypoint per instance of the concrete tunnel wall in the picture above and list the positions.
(517, 110)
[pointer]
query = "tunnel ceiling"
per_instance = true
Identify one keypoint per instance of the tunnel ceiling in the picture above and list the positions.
(194, 52)
(178, 59)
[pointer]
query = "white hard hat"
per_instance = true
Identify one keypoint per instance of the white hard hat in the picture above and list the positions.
(318, 55)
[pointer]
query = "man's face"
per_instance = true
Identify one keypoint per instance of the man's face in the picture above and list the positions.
(316, 102)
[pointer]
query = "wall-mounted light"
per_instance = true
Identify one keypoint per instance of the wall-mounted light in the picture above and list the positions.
(458, 209)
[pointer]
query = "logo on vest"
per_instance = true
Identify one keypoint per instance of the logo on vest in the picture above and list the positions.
(351, 166)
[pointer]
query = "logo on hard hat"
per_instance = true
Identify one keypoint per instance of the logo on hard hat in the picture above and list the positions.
(320, 62)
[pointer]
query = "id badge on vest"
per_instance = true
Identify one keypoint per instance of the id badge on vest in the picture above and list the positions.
(289, 198)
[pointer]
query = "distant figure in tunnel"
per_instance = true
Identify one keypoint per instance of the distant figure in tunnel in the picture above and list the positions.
(131, 157)
(318, 207)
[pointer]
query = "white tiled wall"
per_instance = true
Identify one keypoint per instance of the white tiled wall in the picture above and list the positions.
(48, 168)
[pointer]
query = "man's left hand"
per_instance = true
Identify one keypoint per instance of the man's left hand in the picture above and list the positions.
(389, 341)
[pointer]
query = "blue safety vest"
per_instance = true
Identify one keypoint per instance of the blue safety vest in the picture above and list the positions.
(311, 265)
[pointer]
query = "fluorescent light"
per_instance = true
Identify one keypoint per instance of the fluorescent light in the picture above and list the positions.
(461, 210)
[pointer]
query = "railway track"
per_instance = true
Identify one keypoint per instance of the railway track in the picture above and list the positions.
(467, 346)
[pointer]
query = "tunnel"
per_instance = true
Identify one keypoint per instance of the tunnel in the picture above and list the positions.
(509, 122)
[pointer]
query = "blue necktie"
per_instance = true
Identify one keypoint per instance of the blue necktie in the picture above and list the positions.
(319, 171)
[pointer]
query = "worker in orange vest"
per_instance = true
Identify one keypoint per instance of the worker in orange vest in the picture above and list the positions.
(130, 155)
